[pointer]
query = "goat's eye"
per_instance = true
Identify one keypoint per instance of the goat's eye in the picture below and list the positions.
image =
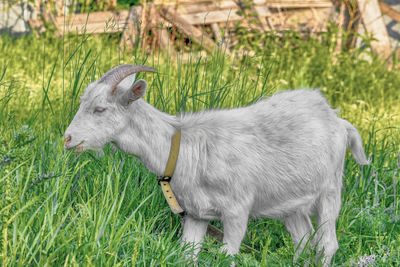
(99, 110)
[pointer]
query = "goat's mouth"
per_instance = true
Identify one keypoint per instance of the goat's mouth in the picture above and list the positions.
(78, 148)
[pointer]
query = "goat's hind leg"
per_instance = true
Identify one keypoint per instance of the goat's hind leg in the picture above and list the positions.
(327, 212)
(300, 227)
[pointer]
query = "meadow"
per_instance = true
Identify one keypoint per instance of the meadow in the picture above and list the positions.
(60, 208)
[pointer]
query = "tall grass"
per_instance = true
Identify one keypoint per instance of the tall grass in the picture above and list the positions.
(58, 208)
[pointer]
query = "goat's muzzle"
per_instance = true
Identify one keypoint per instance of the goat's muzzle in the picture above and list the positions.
(69, 146)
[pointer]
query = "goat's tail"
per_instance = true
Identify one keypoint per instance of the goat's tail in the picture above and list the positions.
(354, 141)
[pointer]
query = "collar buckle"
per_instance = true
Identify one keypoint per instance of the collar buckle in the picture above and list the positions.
(163, 178)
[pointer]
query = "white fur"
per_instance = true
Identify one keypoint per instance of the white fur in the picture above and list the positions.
(280, 158)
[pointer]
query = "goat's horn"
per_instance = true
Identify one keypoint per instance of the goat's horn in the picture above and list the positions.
(115, 75)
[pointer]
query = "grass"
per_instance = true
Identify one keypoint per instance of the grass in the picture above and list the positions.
(59, 208)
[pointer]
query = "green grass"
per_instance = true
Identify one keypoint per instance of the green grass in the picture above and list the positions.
(57, 207)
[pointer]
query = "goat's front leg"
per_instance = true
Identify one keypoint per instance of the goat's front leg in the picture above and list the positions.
(234, 230)
(194, 231)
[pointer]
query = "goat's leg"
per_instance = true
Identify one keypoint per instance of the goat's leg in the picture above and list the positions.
(300, 227)
(234, 230)
(327, 212)
(194, 231)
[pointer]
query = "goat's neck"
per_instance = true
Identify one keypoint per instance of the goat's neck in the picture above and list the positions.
(148, 136)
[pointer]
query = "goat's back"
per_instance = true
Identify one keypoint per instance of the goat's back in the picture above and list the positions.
(277, 155)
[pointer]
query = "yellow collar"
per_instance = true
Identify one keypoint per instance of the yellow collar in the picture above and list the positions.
(166, 188)
(169, 171)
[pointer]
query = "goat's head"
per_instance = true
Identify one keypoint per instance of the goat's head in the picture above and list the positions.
(102, 111)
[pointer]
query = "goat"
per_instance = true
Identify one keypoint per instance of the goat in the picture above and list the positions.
(282, 157)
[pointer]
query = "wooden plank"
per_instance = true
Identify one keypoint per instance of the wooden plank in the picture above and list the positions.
(191, 6)
(218, 235)
(97, 27)
(118, 16)
(210, 6)
(262, 19)
(300, 19)
(339, 36)
(297, 3)
(143, 24)
(93, 29)
(214, 12)
(217, 32)
(224, 16)
(214, 232)
(389, 11)
(165, 42)
(212, 17)
(93, 23)
(132, 30)
(217, 16)
(260, 13)
(195, 34)
(373, 22)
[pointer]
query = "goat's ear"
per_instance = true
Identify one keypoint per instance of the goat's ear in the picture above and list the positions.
(127, 82)
(135, 92)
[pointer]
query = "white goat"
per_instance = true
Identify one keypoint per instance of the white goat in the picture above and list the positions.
(280, 158)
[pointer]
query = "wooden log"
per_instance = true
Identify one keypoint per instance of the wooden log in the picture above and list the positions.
(143, 25)
(218, 235)
(339, 41)
(191, 31)
(389, 11)
(164, 41)
(373, 22)
(214, 232)
(217, 32)
(129, 36)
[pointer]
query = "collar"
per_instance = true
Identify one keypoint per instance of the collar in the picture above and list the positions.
(169, 171)
(166, 188)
